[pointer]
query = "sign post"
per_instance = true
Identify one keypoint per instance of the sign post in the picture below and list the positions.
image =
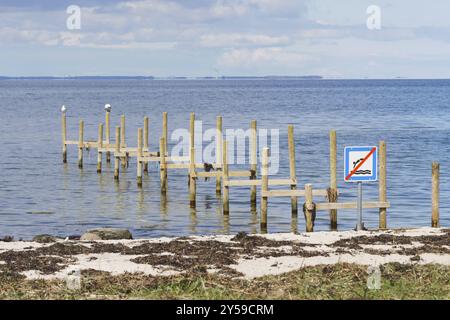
(360, 164)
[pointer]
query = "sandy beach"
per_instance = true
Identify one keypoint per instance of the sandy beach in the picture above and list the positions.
(241, 255)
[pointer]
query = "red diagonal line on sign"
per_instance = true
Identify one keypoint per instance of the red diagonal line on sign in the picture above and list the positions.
(360, 164)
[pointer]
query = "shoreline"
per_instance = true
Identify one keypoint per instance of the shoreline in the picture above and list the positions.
(412, 264)
(241, 255)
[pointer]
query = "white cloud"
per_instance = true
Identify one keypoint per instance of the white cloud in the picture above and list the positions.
(239, 39)
(260, 57)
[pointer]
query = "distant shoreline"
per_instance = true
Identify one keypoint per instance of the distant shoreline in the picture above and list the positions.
(234, 78)
(162, 78)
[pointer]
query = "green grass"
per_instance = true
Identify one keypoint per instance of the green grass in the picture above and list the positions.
(342, 281)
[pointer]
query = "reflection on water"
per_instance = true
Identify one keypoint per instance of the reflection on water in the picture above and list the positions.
(412, 116)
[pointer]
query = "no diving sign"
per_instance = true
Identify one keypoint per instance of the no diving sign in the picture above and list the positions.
(360, 164)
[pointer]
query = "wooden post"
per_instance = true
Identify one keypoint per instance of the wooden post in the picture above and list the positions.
(162, 163)
(226, 199)
(219, 142)
(139, 155)
(80, 144)
(64, 137)
(332, 192)
(309, 208)
(191, 131)
(292, 168)
(192, 178)
(253, 162)
(116, 155)
(382, 183)
(108, 134)
(191, 139)
(146, 144)
(165, 132)
(122, 139)
(435, 195)
(264, 188)
(100, 146)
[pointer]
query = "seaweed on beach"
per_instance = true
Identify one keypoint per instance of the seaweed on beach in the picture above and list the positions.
(392, 239)
(19, 261)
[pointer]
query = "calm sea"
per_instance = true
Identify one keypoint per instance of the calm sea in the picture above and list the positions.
(38, 194)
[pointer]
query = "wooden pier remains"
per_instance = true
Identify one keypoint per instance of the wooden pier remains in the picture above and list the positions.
(224, 175)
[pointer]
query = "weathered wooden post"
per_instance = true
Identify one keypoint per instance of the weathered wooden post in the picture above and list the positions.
(309, 208)
(64, 134)
(435, 195)
(165, 130)
(116, 155)
(191, 139)
(253, 162)
(139, 155)
(219, 142)
(122, 140)
(162, 164)
(80, 144)
(292, 168)
(382, 183)
(192, 178)
(100, 146)
(332, 191)
(225, 196)
(107, 131)
(146, 143)
(264, 188)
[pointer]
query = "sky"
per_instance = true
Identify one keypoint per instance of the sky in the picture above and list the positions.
(226, 37)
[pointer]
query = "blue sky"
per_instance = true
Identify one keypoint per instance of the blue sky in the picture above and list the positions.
(226, 37)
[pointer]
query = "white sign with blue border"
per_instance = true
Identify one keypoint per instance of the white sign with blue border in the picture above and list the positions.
(360, 164)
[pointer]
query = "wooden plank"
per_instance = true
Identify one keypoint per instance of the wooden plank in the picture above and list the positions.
(292, 168)
(212, 174)
(382, 184)
(294, 193)
(64, 136)
(351, 205)
(253, 162)
(219, 142)
(333, 178)
(107, 135)
(264, 189)
(226, 196)
(178, 159)
(435, 195)
(273, 182)
(244, 173)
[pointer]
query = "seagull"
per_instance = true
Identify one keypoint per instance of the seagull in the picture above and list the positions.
(108, 107)
(63, 109)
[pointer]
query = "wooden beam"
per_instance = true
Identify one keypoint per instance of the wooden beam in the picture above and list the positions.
(108, 135)
(264, 188)
(219, 143)
(294, 193)
(100, 145)
(382, 183)
(80, 144)
(64, 136)
(253, 162)
(332, 197)
(435, 195)
(272, 182)
(292, 168)
(351, 205)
